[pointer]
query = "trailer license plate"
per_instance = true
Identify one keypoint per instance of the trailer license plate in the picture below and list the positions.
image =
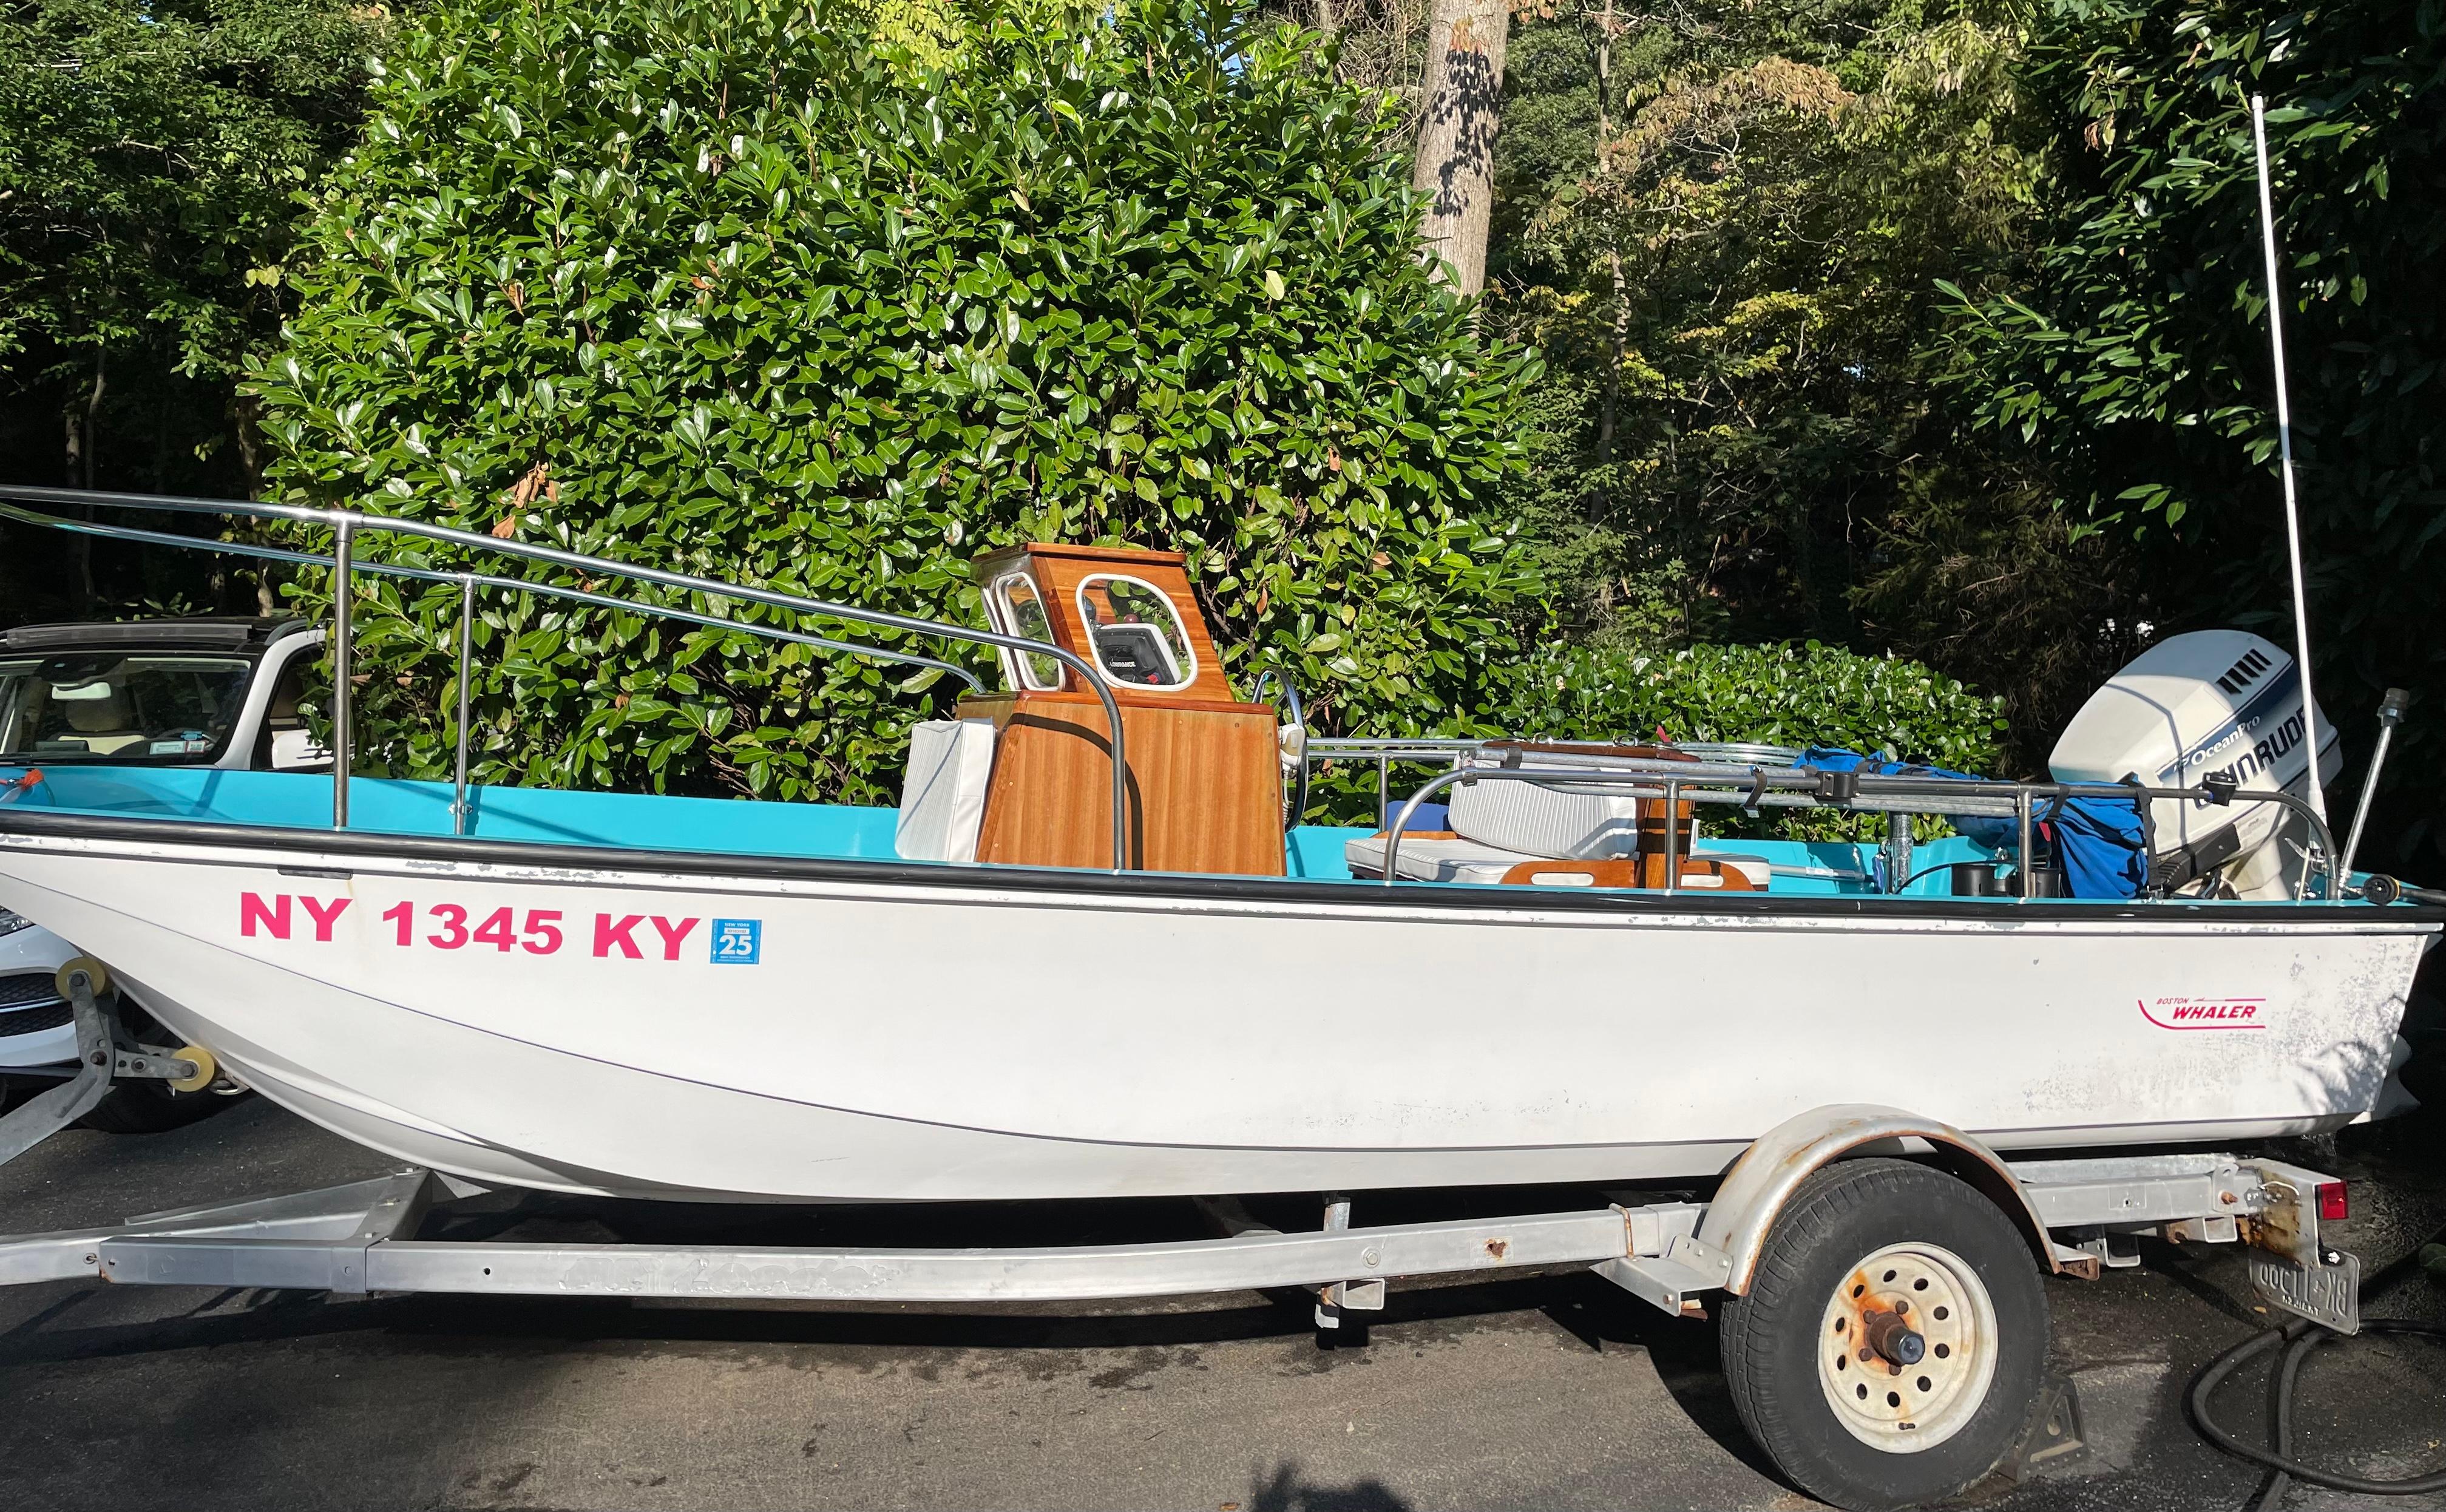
(2329, 1295)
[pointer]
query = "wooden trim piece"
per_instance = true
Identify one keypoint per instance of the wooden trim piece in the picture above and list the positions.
(1646, 871)
(1112, 554)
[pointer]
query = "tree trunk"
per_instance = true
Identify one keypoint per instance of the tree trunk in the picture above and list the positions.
(1612, 401)
(245, 413)
(1621, 335)
(84, 434)
(92, 421)
(1462, 111)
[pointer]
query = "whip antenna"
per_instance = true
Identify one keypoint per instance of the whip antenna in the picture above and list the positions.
(2285, 448)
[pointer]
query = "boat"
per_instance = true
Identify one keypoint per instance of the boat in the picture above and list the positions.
(1088, 957)
(1094, 953)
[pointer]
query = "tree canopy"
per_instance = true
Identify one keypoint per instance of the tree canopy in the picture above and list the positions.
(2133, 361)
(150, 157)
(1929, 327)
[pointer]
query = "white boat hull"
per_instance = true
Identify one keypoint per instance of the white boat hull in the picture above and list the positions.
(896, 1039)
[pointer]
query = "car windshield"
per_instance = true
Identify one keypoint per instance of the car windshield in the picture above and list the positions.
(112, 707)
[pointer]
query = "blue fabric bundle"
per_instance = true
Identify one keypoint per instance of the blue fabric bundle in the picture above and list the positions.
(2102, 841)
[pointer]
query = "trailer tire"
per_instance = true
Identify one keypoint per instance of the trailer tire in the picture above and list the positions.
(1856, 1243)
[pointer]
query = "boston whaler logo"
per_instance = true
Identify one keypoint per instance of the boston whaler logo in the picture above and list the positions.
(2205, 1012)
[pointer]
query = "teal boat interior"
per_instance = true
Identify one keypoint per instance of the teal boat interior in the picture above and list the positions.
(719, 827)
(1117, 743)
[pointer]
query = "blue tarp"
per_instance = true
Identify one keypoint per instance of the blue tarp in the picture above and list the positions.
(2102, 842)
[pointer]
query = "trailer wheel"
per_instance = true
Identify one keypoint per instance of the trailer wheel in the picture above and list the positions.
(1891, 1345)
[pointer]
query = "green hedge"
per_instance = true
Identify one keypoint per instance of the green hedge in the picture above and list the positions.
(1808, 694)
(1797, 695)
(720, 285)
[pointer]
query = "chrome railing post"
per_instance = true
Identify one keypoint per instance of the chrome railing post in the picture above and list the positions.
(343, 657)
(2390, 713)
(466, 667)
(1672, 835)
(2022, 817)
(1120, 760)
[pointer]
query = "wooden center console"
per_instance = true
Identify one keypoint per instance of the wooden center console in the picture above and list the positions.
(1205, 784)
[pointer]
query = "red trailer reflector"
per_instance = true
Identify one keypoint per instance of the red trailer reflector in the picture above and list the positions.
(2333, 1205)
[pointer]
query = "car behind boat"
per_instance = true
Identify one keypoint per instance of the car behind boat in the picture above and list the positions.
(214, 692)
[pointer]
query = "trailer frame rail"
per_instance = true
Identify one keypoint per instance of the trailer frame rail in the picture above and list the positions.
(362, 1237)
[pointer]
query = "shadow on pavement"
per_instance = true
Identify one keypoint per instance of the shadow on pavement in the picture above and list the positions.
(1287, 1489)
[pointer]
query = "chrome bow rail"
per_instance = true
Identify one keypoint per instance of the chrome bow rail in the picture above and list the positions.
(347, 525)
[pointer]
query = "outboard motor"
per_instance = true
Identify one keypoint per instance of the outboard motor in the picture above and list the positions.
(2215, 703)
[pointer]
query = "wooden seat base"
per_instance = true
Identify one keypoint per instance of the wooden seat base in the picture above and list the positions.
(1642, 871)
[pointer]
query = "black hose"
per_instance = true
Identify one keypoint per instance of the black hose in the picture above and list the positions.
(2299, 1340)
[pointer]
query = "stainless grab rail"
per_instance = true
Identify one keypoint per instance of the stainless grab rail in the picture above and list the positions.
(460, 809)
(346, 523)
(523, 585)
(1686, 782)
(1385, 752)
(344, 687)
(466, 658)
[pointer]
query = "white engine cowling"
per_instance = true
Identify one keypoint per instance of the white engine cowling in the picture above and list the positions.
(2213, 702)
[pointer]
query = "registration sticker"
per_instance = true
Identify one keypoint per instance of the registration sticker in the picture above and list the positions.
(736, 941)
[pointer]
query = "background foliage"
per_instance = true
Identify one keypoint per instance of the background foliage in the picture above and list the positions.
(716, 286)
(1731, 252)
(1804, 694)
(2131, 363)
(1915, 327)
(149, 160)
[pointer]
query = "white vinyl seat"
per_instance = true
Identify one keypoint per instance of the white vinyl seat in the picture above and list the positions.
(1434, 860)
(1496, 825)
(943, 796)
(1591, 822)
(1500, 824)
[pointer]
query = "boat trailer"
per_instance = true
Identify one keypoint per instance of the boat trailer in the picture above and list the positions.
(360, 1238)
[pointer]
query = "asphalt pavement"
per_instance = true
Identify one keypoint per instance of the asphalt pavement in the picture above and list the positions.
(1549, 1391)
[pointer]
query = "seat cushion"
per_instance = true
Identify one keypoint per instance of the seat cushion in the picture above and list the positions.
(943, 797)
(1433, 861)
(1587, 823)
